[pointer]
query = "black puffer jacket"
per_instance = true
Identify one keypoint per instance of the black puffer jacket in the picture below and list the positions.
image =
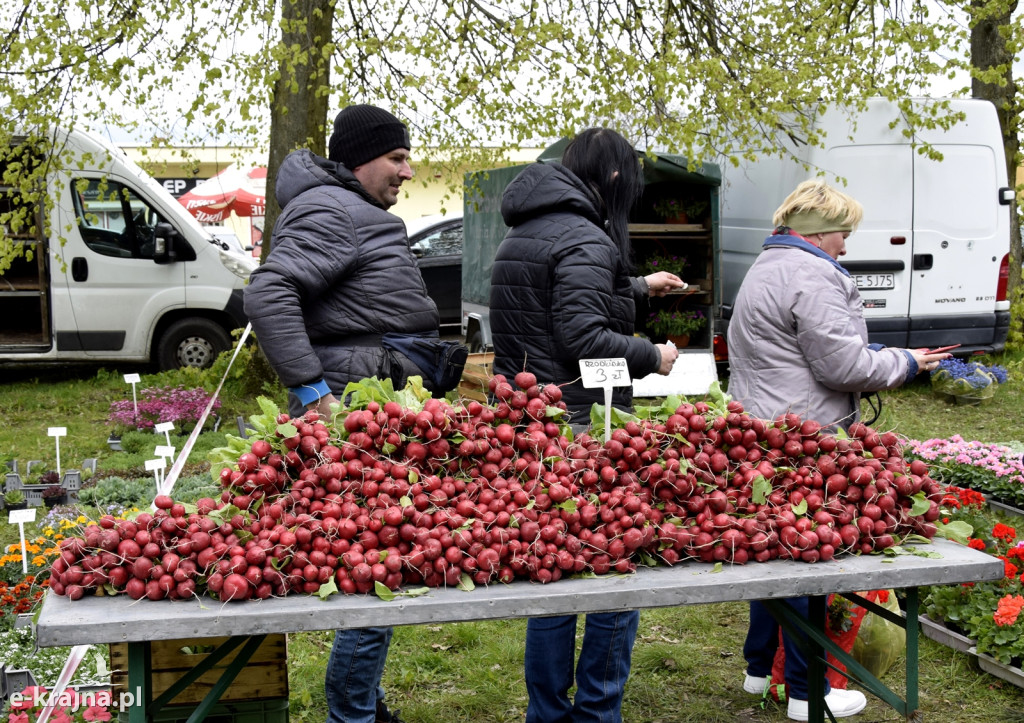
(560, 290)
(340, 267)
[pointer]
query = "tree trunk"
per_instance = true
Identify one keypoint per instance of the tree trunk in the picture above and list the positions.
(298, 108)
(990, 50)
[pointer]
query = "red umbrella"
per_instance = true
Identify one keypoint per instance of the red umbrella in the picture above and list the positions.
(238, 189)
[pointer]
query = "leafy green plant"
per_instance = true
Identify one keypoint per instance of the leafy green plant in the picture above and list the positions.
(194, 487)
(118, 491)
(676, 322)
(14, 497)
(986, 612)
(654, 263)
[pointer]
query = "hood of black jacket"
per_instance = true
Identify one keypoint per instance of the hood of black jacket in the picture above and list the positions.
(303, 170)
(546, 188)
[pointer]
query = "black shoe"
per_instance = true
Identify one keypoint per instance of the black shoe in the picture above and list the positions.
(386, 716)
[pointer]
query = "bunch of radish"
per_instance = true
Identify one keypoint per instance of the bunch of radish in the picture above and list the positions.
(401, 489)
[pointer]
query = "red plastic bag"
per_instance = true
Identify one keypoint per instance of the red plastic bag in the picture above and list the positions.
(843, 622)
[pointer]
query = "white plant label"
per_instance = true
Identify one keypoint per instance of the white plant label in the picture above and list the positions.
(166, 428)
(134, 379)
(57, 433)
(19, 518)
(157, 467)
(165, 451)
(606, 374)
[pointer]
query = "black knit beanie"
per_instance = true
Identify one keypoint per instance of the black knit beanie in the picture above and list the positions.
(364, 132)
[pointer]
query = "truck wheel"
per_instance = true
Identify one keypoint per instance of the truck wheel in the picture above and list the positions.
(191, 343)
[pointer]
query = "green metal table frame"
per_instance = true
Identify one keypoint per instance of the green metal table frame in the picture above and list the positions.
(810, 634)
(140, 677)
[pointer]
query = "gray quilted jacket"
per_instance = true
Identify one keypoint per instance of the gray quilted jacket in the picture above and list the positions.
(340, 268)
(798, 340)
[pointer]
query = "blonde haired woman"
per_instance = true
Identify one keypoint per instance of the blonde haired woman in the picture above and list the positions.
(798, 343)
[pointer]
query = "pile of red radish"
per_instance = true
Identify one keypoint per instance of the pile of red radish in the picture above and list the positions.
(431, 493)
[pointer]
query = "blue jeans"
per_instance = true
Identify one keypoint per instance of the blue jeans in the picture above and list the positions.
(353, 675)
(763, 640)
(601, 673)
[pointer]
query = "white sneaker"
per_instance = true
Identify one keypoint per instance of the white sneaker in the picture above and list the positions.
(842, 703)
(755, 685)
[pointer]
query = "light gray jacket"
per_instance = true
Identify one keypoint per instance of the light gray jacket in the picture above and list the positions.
(798, 341)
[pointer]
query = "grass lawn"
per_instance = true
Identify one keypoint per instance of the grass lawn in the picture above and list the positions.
(687, 663)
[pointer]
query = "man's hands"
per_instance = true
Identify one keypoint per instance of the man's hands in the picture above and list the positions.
(323, 406)
(662, 282)
(669, 354)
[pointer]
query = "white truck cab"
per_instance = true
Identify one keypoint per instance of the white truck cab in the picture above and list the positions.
(119, 271)
(932, 254)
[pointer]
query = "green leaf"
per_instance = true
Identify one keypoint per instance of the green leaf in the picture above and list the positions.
(957, 531)
(327, 589)
(383, 591)
(800, 508)
(920, 506)
(717, 568)
(466, 583)
(415, 592)
(761, 489)
(569, 505)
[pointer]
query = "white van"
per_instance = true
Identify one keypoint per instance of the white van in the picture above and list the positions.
(931, 257)
(120, 271)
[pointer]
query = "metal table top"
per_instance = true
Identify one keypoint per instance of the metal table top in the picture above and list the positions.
(119, 619)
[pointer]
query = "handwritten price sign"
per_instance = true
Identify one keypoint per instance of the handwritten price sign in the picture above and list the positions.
(606, 374)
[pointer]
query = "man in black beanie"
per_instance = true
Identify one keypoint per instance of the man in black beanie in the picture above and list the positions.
(340, 275)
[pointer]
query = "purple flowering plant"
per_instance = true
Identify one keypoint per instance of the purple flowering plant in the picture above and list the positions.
(160, 404)
(658, 262)
(992, 469)
(676, 322)
(957, 377)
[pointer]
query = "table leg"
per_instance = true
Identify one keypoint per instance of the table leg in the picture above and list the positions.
(816, 610)
(140, 681)
(912, 654)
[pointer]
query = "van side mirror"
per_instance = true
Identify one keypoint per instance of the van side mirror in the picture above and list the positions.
(1007, 196)
(164, 244)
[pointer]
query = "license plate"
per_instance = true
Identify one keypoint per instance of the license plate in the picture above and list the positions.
(874, 281)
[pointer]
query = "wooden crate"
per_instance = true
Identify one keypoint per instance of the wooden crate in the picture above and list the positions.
(475, 376)
(264, 677)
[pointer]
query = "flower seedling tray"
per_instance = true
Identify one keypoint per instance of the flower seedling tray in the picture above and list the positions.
(1005, 509)
(15, 681)
(1011, 674)
(944, 636)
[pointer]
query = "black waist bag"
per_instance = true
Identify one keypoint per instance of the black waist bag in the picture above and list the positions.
(440, 361)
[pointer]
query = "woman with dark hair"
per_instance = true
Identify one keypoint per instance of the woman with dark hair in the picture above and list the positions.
(561, 288)
(561, 291)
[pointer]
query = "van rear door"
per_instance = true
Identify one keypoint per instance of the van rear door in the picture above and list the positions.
(959, 242)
